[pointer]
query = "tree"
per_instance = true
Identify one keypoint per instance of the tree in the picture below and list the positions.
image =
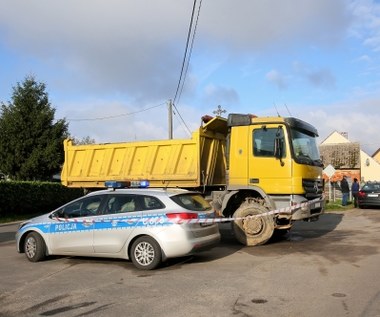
(31, 141)
(83, 141)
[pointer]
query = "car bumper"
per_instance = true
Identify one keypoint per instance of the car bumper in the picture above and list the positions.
(180, 241)
(369, 203)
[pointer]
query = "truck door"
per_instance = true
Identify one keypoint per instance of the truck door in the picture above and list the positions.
(269, 162)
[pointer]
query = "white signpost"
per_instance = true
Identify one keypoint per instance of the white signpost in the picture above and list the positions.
(330, 171)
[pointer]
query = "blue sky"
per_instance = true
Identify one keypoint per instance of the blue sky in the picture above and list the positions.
(111, 66)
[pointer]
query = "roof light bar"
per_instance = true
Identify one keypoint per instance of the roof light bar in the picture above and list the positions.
(117, 184)
(140, 184)
(124, 184)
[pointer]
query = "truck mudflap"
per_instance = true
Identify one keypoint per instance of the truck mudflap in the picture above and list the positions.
(309, 209)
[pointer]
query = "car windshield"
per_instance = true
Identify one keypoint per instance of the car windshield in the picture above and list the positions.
(305, 148)
(192, 201)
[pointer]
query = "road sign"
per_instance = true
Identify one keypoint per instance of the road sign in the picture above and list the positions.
(329, 170)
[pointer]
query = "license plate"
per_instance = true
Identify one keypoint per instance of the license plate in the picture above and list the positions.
(317, 205)
(373, 195)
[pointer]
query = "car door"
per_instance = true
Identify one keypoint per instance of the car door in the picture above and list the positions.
(72, 229)
(116, 221)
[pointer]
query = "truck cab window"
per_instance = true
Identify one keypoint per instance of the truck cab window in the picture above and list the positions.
(264, 142)
(305, 149)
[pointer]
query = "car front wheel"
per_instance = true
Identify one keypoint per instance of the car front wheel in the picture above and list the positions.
(146, 253)
(34, 247)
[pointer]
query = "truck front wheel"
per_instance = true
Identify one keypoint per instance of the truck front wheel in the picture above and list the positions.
(252, 225)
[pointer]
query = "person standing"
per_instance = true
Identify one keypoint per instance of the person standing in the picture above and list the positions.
(355, 191)
(345, 190)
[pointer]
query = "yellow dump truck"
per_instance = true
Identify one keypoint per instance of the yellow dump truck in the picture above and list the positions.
(264, 172)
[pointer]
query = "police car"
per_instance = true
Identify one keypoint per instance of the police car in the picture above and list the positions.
(146, 226)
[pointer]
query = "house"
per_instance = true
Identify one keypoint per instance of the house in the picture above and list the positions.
(376, 156)
(348, 159)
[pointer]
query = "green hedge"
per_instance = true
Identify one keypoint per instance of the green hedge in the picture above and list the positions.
(33, 198)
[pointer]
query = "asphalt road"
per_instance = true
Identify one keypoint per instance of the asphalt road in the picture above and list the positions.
(324, 268)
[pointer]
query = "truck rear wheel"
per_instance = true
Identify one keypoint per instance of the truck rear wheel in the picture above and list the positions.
(254, 230)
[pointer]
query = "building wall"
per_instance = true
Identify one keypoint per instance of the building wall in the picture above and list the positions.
(335, 137)
(376, 157)
(369, 167)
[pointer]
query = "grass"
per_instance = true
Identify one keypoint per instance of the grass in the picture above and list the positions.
(337, 205)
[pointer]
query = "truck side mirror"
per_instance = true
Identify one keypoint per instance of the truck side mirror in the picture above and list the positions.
(279, 146)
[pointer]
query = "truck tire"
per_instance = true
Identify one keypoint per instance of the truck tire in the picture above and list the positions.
(254, 230)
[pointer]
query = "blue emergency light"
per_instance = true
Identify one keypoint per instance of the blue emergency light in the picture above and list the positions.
(117, 184)
(126, 184)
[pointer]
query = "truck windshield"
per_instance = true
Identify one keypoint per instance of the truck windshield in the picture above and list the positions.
(305, 149)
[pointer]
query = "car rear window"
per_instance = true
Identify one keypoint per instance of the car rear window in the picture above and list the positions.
(373, 186)
(191, 201)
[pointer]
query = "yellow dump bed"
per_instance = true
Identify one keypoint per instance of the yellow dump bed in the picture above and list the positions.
(199, 161)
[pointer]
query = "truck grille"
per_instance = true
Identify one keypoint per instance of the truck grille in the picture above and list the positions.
(313, 188)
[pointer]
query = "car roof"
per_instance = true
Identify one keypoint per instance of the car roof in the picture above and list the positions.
(143, 191)
(372, 185)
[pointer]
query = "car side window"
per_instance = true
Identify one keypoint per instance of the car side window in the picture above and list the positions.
(191, 202)
(122, 203)
(151, 203)
(84, 207)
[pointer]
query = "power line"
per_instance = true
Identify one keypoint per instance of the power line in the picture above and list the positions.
(181, 81)
(116, 116)
(190, 51)
(186, 51)
(183, 121)
(186, 61)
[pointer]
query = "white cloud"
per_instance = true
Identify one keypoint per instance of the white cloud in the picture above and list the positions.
(366, 24)
(364, 58)
(104, 58)
(218, 95)
(358, 118)
(277, 79)
(136, 47)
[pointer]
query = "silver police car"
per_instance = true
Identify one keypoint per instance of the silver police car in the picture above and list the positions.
(146, 226)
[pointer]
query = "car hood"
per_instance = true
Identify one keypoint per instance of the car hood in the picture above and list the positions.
(38, 219)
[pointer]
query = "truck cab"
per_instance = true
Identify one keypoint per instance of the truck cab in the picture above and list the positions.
(273, 162)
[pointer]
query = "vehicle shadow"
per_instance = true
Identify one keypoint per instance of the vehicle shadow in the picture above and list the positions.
(370, 207)
(326, 223)
(301, 231)
(228, 245)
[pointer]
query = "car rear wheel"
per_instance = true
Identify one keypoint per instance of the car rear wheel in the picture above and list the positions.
(146, 253)
(34, 247)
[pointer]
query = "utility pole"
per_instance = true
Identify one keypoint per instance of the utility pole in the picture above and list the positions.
(170, 118)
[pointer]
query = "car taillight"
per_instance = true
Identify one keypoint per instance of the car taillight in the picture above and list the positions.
(178, 216)
(361, 194)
